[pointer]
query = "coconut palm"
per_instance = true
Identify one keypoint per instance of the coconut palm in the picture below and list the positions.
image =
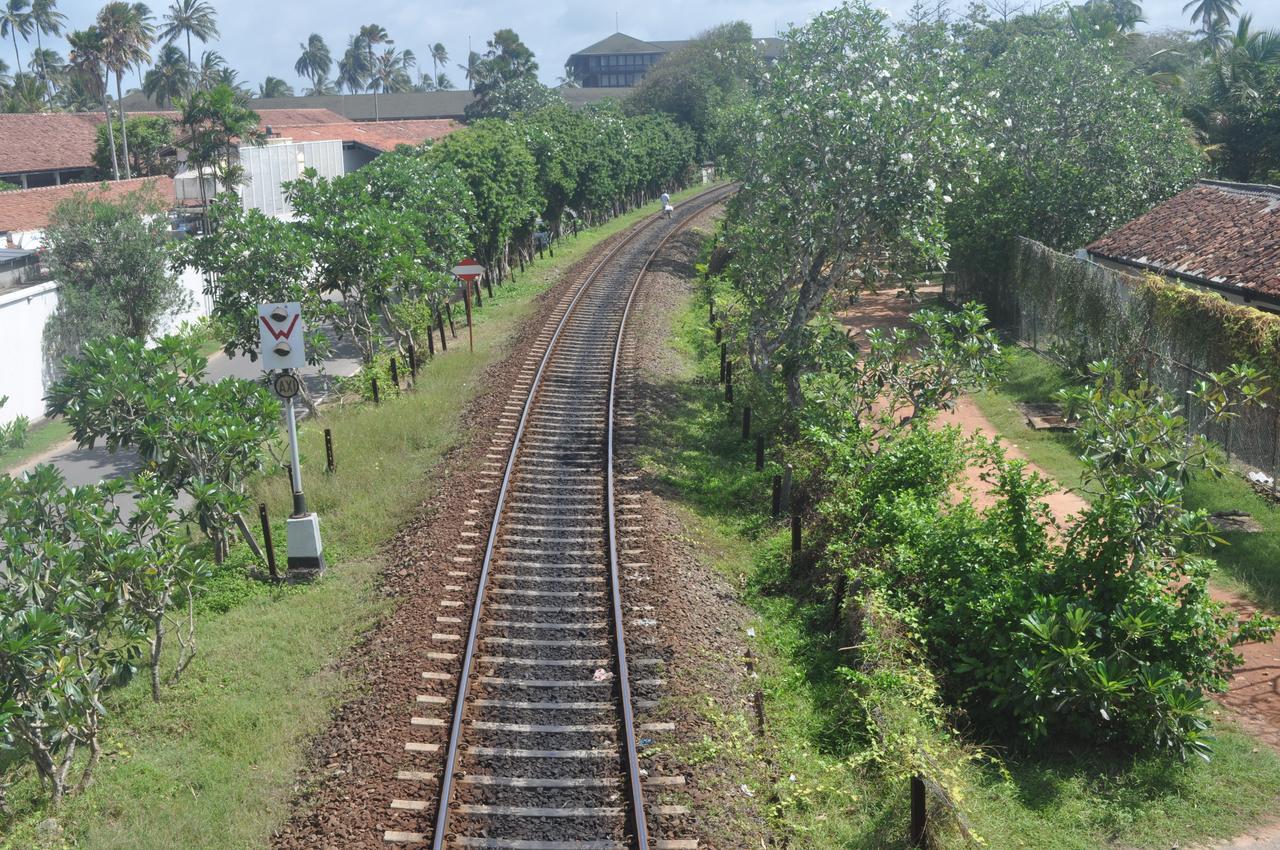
(471, 70)
(315, 61)
(369, 37)
(170, 79)
(390, 73)
(443, 83)
(274, 87)
(46, 66)
(320, 88)
(46, 20)
(27, 93)
(85, 63)
(211, 63)
(127, 34)
(439, 56)
(190, 18)
(15, 20)
(1205, 11)
(353, 67)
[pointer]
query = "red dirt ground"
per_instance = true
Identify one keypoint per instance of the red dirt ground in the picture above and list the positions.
(1254, 696)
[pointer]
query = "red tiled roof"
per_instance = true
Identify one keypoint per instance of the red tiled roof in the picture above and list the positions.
(44, 141)
(380, 135)
(30, 209)
(1227, 234)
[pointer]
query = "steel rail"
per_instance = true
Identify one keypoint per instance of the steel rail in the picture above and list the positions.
(455, 734)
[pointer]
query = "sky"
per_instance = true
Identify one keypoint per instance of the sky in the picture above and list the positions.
(260, 38)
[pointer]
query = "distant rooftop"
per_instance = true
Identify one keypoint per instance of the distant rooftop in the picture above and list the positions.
(1219, 234)
(31, 209)
(381, 136)
(622, 44)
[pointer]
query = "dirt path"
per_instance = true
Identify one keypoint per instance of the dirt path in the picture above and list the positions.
(1254, 697)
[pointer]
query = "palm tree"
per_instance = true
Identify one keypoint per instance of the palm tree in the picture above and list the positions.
(46, 65)
(4, 76)
(127, 34)
(170, 79)
(472, 69)
(274, 87)
(26, 93)
(189, 17)
(85, 61)
(369, 37)
(46, 20)
(1210, 10)
(211, 63)
(443, 83)
(389, 72)
(321, 87)
(439, 56)
(315, 61)
(16, 21)
(353, 68)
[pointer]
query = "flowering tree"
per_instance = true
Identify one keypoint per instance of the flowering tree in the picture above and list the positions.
(849, 161)
(1076, 143)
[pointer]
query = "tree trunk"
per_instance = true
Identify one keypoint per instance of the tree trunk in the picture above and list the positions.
(157, 646)
(111, 134)
(17, 68)
(124, 130)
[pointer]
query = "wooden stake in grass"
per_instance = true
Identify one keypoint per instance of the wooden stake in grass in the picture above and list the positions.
(466, 297)
(759, 452)
(919, 815)
(374, 383)
(776, 510)
(328, 451)
(413, 362)
(724, 359)
(266, 539)
(395, 374)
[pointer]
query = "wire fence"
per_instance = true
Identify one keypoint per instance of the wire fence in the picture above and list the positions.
(1074, 311)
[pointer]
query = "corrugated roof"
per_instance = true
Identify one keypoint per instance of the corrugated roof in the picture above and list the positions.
(381, 135)
(1217, 233)
(30, 209)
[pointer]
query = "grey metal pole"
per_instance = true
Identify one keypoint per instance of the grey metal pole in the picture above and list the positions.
(299, 501)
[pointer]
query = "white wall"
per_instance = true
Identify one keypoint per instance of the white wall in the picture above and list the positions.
(24, 375)
(22, 368)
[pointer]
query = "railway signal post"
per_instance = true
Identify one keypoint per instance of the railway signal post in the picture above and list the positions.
(281, 335)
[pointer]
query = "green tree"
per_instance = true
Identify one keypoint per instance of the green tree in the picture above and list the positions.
(694, 83)
(505, 80)
(152, 151)
(214, 121)
(274, 87)
(46, 20)
(87, 66)
(110, 258)
(315, 62)
(127, 34)
(171, 77)
(204, 439)
(189, 18)
(439, 59)
(15, 20)
(353, 67)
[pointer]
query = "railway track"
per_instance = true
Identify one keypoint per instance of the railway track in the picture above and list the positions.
(542, 745)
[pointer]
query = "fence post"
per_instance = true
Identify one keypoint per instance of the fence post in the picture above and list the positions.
(724, 359)
(759, 452)
(919, 815)
(776, 509)
(395, 374)
(413, 362)
(376, 398)
(266, 539)
(328, 451)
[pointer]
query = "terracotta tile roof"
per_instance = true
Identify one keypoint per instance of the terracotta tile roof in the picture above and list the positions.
(40, 141)
(30, 209)
(380, 135)
(1216, 233)
(44, 141)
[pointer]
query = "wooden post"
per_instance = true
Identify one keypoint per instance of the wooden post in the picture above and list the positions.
(795, 528)
(431, 341)
(413, 362)
(376, 399)
(919, 816)
(724, 359)
(776, 510)
(786, 486)
(328, 451)
(444, 346)
(266, 539)
(395, 374)
(453, 331)
(759, 452)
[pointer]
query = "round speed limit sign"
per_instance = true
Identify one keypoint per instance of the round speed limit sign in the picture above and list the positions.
(287, 385)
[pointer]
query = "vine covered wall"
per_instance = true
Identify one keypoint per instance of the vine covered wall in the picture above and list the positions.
(1075, 311)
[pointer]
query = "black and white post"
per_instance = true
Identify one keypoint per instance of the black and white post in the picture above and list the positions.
(281, 335)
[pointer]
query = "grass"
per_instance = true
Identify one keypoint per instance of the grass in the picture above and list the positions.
(40, 438)
(827, 796)
(1249, 563)
(213, 764)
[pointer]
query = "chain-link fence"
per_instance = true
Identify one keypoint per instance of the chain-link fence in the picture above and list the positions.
(1074, 311)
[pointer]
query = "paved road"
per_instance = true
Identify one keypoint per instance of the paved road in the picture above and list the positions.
(89, 466)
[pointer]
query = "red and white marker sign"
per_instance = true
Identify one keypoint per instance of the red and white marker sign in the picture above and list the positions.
(468, 270)
(280, 331)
